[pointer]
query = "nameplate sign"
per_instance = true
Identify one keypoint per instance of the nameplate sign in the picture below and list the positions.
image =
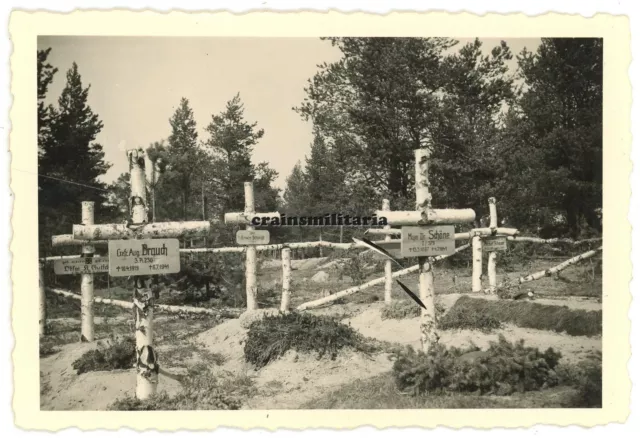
(81, 265)
(493, 244)
(252, 237)
(144, 257)
(428, 241)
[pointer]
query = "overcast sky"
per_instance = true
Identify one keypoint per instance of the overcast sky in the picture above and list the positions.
(137, 82)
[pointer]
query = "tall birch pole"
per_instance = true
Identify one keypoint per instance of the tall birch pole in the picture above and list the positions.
(423, 202)
(146, 360)
(86, 282)
(43, 299)
(286, 279)
(250, 274)
(476, 253)
(388, 282)
(491, 264)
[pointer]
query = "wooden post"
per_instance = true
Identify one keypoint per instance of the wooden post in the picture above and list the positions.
(286, 279)
(86, 282)
(320, 249)
(423, 202)
(250, 274)
(43, 300)
(146, 360)
(388, 282)
(491, 264)
(476, 253)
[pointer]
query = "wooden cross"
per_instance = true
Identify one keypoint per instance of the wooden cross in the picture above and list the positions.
(245, 218)
(86, 282)
(143, 298)
(424, 215)
(478, 235)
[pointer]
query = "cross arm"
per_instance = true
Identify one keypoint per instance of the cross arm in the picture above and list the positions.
(428, 216)
(68, 240)
(151, 230)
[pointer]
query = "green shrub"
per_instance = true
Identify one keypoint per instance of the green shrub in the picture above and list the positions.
(531, 315)
(586, 377)
(502, 369)
(462, 317)
(200, 391)
(121, 354)
(272, 336)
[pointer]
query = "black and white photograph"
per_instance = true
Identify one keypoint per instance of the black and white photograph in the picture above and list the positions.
(320, 223)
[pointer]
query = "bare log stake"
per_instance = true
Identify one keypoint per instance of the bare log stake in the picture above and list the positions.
(86, 282)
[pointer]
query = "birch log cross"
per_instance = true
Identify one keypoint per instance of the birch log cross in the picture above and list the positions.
(477, 236)
(425, 215)
(86, 282)
(147, 366)
(245, 219)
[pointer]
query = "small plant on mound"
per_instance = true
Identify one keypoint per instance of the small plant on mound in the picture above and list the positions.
(200, 391)
(406, 309)
(460, 317)
(586, 377)
(502, 369)
(272, 336)
(575, 322)
(120, 354)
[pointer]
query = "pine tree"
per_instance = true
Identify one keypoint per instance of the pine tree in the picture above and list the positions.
(46, 72)
(231, 145)
(183, 153)
(553, 138)
(70, 162)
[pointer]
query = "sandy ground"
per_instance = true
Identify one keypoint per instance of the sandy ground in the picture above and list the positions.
(63, 389)
(295, 378)
(407, 332)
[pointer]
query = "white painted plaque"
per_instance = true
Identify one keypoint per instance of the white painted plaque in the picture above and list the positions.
(143, 257)
(495, 243)
(428, 241)
(81, 265)
(252, 237)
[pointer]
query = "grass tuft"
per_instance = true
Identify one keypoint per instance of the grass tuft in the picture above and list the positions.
(119, 355)
(461, 317)
(404, 309)
(527, 314)
(201, 390)
(272, 336)
(586, 377)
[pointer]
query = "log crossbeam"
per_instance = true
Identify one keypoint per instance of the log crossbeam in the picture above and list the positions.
(105, 232)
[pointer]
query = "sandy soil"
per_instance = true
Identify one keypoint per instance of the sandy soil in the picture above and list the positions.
(63, 389)
(407, 331)
(295, 378)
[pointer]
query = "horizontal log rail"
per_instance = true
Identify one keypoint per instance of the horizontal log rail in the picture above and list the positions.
(549, 272)
(228, 313)
(377, 281)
